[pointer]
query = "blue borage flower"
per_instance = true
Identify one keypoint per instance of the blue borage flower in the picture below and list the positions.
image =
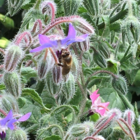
(8, 122)
(45, 42)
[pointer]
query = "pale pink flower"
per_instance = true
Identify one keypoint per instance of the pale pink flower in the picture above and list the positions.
(97, 105)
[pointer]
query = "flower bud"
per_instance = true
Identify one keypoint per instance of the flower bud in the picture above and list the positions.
(69, 88)
(44, 65)
(52, 87)
(12, 57)
(84, 46)
(48, 7)
(76, 67)
(99, 60)
(130, 29)
(120, 85)
(8, 102)
(19, 134)
(57, 74)
(13, 83)
(129, 116)
(80, 130)
(103, 49)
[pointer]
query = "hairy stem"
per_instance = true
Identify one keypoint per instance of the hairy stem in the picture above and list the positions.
(130, 129)
(97, 72)
(3, 112)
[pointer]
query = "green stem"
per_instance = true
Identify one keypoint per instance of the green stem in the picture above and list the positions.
(126, 102)
(81, 110)
(97, 72)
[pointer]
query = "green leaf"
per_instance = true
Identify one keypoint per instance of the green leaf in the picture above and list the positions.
(110, 95)
(4, 42)
(106, 21)
(6, 21)
(53, 137)
(92, 6)
(27, 73)
(2, 86)
(94, 117)
(71, 6)
(128, 65)
(34, 95)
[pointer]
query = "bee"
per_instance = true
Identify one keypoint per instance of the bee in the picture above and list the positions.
(65, 61)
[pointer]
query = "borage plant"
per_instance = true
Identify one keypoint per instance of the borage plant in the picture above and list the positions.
(64, 50)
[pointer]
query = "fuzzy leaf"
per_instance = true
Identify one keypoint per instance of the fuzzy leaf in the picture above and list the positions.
(71, 6)
(92, 6)
(110, 95)
(2, 86)
(27, 73)
(34, 95)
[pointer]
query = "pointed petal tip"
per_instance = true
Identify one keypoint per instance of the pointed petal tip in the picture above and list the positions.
(25, 117)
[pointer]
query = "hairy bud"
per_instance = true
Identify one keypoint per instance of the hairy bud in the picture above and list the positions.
(52, 87)
(130, 29)
(48, 8)
(120, 85)
(19, 134)
(69, 88)
(44, 65)
(57, 74)
(129, 116)
(103, 49)
(84, 46)
(99, 60)
(13, 84)
(76, 66)
(12, 57)
(8, 102)
(80, 130)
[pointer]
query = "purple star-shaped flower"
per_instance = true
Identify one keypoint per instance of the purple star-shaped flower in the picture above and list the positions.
(8, 122)
(45, 42)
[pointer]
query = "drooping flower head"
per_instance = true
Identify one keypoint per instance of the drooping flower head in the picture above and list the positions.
(8, 122)
(57, 44)
(97, 105)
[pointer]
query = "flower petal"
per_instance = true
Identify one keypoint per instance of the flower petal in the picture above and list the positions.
(94, 96)
(40, 48)
(101, 111)
(72, 32)
(71, 35)
(7, 118)
(11, 123)
(81, 38)
(43, 39)
(105, 104)
(25, 117)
